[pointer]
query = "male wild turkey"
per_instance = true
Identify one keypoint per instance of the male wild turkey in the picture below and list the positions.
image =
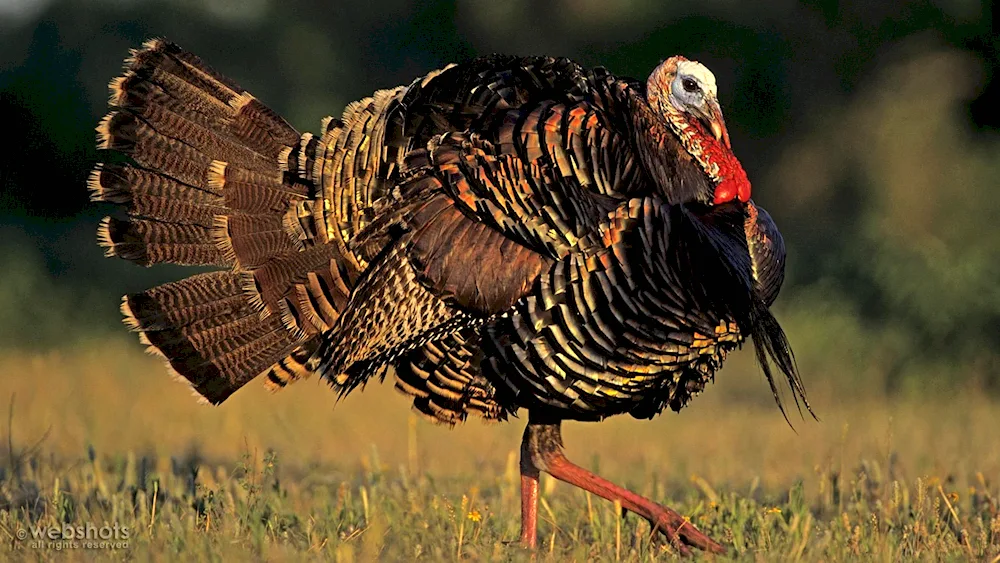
(507, 233)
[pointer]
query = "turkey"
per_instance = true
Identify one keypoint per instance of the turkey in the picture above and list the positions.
(507, 233)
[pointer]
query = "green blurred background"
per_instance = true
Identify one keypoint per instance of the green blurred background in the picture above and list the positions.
(867, 128)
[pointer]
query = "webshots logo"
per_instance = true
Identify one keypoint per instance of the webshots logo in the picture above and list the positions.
(68, 536)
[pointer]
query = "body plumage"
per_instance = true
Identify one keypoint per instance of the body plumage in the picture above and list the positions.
(507, 233)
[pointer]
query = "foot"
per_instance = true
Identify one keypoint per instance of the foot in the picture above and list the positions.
(681, 533)
(541, 450)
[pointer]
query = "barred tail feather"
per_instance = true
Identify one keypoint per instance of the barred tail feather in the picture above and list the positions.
(206, 181)
(207, 332)
(149, 242)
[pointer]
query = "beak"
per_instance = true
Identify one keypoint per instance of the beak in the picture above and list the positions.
(716, 122)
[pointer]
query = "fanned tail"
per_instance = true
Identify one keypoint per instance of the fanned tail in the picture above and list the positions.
(207, 181)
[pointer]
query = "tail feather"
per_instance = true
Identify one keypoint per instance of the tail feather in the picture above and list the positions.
(183, 303)
(326, 280)
(154, 126)
(202, 141)
(162, 75)
(211, 179)
(250, 241)
(149, 242)
(126, 133)
(147, 194)
(207, 332)
(251, 192)
(165, 60)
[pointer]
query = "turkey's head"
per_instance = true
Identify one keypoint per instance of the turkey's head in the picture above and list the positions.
(684, 93)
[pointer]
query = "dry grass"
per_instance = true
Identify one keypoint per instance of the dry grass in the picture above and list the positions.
(296, 476)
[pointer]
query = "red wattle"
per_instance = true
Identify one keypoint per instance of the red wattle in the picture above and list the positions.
(734, 183)
(745, 192)
(725, 192)
(738, 176)
(732, 178)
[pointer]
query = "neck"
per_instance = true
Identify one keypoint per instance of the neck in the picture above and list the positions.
(717, 160)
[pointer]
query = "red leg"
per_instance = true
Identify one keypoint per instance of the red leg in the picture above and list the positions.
(529, 498)
(529, 511)
(543, 443)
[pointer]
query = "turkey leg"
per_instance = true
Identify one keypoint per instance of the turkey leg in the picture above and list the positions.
(541, 450)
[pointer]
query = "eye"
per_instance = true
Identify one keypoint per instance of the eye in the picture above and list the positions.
(689, 85)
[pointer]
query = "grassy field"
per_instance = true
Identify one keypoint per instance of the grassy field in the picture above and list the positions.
(99, 435)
